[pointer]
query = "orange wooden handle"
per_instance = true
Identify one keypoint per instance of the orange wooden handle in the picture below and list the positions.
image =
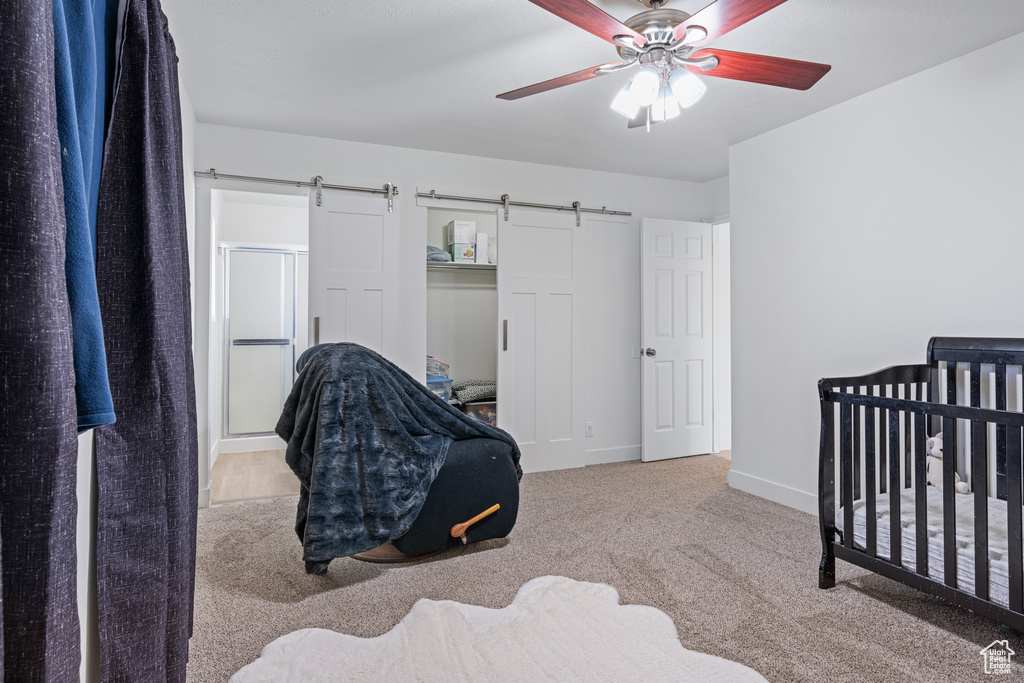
(460, 529)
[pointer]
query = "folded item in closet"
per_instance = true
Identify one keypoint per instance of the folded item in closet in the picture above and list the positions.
(437, 254)
(436, 367)
(467, 390)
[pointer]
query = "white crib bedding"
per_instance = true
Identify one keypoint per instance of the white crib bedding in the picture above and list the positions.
(997, 538)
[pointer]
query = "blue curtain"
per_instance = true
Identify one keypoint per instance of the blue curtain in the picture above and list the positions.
(80, 65)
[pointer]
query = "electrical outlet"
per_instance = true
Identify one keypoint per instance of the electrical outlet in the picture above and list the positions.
(589, 429)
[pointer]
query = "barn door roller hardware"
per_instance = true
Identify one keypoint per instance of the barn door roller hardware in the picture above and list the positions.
(505, 202)
(389, 190)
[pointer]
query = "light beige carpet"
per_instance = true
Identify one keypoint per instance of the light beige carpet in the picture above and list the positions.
(736, 574)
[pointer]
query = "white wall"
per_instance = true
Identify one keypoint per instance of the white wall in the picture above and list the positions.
(188, 145)
(262, 218)
(860, 232)
(715, 194)
(613, 253)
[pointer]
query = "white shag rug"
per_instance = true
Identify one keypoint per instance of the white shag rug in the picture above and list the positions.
(556, 629)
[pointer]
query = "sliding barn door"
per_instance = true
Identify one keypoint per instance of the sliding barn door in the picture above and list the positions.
(353, 272)
(676, 321)
(540, 345)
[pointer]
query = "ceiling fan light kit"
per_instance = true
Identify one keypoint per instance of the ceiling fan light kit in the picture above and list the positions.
(624, 103)
(667, 45)
(686, 87)
(643, 89)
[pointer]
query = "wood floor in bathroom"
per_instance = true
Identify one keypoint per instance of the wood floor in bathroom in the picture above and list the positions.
(255, 474)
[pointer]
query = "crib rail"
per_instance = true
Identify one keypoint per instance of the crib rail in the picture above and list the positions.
(878, 425)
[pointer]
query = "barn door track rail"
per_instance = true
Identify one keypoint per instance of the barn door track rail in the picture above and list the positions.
(506, 202)
(389, 190)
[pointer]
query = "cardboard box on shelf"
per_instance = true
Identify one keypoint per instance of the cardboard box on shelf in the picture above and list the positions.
(464, 253)
(460, 232)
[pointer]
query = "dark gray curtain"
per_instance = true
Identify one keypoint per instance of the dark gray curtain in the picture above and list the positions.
(38, 449)
(146, 462)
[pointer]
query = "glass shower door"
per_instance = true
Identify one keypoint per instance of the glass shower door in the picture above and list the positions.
(260, 325)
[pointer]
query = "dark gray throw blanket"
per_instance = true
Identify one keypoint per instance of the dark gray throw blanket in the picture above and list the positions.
(365, 440)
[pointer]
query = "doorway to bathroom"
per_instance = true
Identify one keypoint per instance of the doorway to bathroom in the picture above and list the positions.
(259, 330)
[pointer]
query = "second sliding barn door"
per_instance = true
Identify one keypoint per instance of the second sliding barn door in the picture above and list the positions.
(353, 272)
(540, 344)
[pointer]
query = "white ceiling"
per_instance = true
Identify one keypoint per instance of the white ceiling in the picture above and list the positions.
(424, 73)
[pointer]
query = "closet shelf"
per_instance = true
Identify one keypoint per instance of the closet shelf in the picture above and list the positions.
(444, 265)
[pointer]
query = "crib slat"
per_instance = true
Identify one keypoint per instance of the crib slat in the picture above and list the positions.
(921, 494)
(857, 411)
(1001, 434)
(949, 438)
(846, 425)
(1013, 517)
(908, 464)
(979, 480)
(951, 383)
(883, 448)
(869, 480)
(895, 531)
(975, 385)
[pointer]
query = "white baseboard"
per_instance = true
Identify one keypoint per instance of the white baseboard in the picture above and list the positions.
(790, 497)
(252, 443)
(602, 456)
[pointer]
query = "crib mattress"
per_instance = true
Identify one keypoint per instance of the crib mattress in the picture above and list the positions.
(997, 538)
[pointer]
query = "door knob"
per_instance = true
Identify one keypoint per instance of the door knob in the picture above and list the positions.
(651, 353)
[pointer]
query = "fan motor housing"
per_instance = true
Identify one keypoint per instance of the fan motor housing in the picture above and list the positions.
(655, 25)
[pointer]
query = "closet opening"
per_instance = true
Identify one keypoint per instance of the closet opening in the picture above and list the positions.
(462, 314)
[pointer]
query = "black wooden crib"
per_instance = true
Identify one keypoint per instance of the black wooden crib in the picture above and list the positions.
(963, 547)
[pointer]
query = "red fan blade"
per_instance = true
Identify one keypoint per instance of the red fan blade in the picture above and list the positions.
(568, 79)
(722, 16)
(590, 18)
(785, 73)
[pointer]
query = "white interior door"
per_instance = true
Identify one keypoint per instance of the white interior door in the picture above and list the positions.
(540, 343)
(677, 340)
(354, 272)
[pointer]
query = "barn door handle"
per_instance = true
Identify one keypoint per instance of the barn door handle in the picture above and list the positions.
(504, 335)
(316, 330)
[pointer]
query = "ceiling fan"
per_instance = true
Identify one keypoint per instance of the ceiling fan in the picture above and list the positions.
(667, 45)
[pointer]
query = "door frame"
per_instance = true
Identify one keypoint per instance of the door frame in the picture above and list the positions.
(206, 330)
(721, 317)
